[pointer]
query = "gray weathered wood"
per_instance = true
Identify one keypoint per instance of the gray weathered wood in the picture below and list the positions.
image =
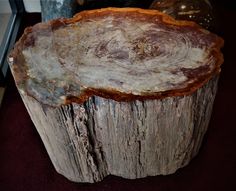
(88, 141)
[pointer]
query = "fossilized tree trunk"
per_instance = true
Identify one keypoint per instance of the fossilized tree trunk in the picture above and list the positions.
(130, 139)
(131, 98)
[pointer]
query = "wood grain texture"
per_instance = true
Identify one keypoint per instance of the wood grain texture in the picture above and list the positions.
(123, 54)
(135, 139)
(127, 92)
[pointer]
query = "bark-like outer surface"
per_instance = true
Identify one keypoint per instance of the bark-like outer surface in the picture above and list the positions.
(95, 132)
(89, 141)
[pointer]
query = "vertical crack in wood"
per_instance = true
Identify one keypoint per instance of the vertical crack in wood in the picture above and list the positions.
(92, 142)
(70, 142)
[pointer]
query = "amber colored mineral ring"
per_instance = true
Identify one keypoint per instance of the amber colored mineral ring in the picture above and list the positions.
(120, 53)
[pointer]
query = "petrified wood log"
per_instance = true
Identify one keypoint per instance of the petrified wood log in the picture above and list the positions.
(127, 92)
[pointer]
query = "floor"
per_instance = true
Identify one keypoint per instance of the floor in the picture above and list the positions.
(2, 90)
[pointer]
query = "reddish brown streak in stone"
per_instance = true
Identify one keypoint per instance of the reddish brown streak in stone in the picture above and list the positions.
(193, 73)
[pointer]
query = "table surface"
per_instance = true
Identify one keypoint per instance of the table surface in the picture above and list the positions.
(25, 165)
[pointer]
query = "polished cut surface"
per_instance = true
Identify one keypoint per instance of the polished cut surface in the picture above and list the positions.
(138, 54)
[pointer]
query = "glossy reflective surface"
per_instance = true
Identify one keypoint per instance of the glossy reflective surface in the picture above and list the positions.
(133, 52)
(199, 11)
